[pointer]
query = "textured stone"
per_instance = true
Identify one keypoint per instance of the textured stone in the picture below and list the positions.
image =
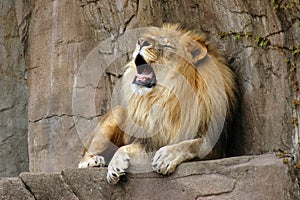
(91, 184)
(13, 96)
(58, 42)
(54, 138)
(261, 177)
(13, 188)
(47, 186)
(233, 178)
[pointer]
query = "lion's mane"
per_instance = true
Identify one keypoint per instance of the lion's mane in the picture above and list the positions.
(194, 94)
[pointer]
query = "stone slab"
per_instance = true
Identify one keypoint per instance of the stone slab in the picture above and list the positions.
(263, 177)
(47, 186)
(13, 188)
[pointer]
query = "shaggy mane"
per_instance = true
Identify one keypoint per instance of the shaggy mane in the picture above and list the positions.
(188, 102)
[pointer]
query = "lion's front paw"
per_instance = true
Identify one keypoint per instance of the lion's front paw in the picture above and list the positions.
(166, 160)
(92, 161)
(117, 167)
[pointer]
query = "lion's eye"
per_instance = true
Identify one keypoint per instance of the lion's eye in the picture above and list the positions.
(168, 46)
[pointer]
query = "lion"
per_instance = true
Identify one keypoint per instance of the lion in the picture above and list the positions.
(177, 92)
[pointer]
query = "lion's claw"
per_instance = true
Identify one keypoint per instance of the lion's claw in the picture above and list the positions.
(117, 167)
(165, 160)
(113, 175)
(93, 161)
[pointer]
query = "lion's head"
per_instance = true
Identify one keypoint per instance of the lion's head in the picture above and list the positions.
(162, 46)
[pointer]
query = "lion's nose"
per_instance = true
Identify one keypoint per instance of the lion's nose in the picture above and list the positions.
(143, 43)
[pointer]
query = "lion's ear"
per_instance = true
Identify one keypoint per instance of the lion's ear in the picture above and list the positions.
(195, 50)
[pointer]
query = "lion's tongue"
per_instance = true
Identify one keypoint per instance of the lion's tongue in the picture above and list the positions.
(143, 77)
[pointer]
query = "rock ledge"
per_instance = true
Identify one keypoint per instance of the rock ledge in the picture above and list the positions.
(246, 177)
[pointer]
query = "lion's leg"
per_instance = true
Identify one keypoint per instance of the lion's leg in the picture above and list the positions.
(106, 134)
(121, 161)
(167, 158)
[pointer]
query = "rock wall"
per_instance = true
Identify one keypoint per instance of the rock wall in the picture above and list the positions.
(260, 39)
(58, 41)
(13, 95)
(250, 177)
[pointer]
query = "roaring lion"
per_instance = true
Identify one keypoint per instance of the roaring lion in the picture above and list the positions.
(177, 93)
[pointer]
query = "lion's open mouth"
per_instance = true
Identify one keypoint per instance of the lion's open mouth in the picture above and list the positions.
(145, 74)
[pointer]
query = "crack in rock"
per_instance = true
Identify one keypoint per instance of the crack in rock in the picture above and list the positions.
(63, 115)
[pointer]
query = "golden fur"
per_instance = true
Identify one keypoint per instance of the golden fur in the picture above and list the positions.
(178, 119)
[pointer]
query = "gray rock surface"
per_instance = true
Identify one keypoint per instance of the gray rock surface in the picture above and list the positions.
(14, 188)
(13, 96)
(263, 177)
(47, 186)
(58, 41)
